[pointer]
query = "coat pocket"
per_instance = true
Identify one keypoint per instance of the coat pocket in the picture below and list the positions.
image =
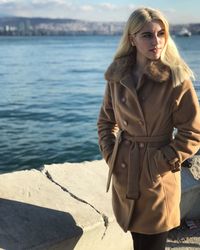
(161, 163)
(152, 167)
(158, 165)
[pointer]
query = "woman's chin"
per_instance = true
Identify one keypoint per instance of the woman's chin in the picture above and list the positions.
(154, 57)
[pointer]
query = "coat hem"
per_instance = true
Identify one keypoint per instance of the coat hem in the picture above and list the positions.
(164, 229)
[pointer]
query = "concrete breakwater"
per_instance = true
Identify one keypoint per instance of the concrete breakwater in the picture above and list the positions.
(65, 206)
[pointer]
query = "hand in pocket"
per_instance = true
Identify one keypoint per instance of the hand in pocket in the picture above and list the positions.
(161, 163)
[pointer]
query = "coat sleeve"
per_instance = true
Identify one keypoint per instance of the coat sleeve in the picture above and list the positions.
(106, 125)
(186, 119)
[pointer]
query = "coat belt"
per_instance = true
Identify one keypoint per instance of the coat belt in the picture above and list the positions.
(134, 158)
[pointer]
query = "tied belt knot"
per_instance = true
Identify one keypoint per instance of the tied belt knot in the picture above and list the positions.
(137, 142)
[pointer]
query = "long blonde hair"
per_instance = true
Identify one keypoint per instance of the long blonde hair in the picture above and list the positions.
(170, 55)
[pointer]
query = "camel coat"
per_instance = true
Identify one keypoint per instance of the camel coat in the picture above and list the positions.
(144, 153)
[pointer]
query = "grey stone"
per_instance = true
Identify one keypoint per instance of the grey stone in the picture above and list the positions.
(190, 186)
(35, 213)
(65, 207)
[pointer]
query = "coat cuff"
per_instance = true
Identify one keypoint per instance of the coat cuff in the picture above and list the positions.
(171, 158)
(106, 152)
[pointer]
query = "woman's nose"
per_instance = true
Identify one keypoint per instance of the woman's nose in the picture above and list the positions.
(155, 40)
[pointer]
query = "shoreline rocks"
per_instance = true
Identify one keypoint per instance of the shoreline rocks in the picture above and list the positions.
(65, 206)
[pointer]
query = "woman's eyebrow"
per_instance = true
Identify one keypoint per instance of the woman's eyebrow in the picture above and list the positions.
(150, 32)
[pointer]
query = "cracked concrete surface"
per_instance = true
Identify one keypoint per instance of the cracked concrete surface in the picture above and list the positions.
(86, 182)
(50, 211)
(65, 207)
(104, 217)
(69, 179)
(35, 212)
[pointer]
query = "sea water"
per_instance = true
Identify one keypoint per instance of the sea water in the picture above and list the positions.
(51, 92)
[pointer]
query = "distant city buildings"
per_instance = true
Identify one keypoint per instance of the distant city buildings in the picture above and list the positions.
(21, 26)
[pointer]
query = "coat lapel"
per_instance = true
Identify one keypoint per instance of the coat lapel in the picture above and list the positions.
(128, 82)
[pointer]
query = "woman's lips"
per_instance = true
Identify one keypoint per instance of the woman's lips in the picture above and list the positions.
(154, 50)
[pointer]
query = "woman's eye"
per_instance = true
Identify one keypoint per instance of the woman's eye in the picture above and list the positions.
(161, 33)
(147, 35)
(151, 35)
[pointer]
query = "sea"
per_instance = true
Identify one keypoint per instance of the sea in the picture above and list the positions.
(51, 92)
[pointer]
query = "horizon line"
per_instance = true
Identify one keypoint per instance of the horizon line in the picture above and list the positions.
(84, 20)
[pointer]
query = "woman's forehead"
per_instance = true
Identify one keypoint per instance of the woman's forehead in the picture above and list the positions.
(152, 26)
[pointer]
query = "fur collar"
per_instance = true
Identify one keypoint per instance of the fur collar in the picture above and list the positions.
(122, 66)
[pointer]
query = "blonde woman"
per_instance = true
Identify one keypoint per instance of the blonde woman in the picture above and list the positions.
(148, 93)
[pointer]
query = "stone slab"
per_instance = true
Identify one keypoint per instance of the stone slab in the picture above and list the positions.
(113, 239)
(65, 207)
(86, 181)
(36, 214)
(190, 187)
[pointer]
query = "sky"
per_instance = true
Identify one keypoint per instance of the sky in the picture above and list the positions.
(176, 11)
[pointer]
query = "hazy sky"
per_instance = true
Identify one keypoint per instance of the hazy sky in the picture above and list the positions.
(177, 11)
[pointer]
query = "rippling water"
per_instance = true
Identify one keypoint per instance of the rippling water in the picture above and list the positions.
(51, 91)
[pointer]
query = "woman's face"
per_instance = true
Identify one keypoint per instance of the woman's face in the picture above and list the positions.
(149, 41)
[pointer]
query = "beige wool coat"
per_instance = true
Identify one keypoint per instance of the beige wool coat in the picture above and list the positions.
(136, 137)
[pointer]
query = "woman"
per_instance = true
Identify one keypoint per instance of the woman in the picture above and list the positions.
(148, 93)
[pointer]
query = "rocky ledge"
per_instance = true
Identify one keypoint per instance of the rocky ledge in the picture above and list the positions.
(65, 206)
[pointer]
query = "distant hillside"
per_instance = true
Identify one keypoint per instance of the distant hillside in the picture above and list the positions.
(34, 20)
(50, 26)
